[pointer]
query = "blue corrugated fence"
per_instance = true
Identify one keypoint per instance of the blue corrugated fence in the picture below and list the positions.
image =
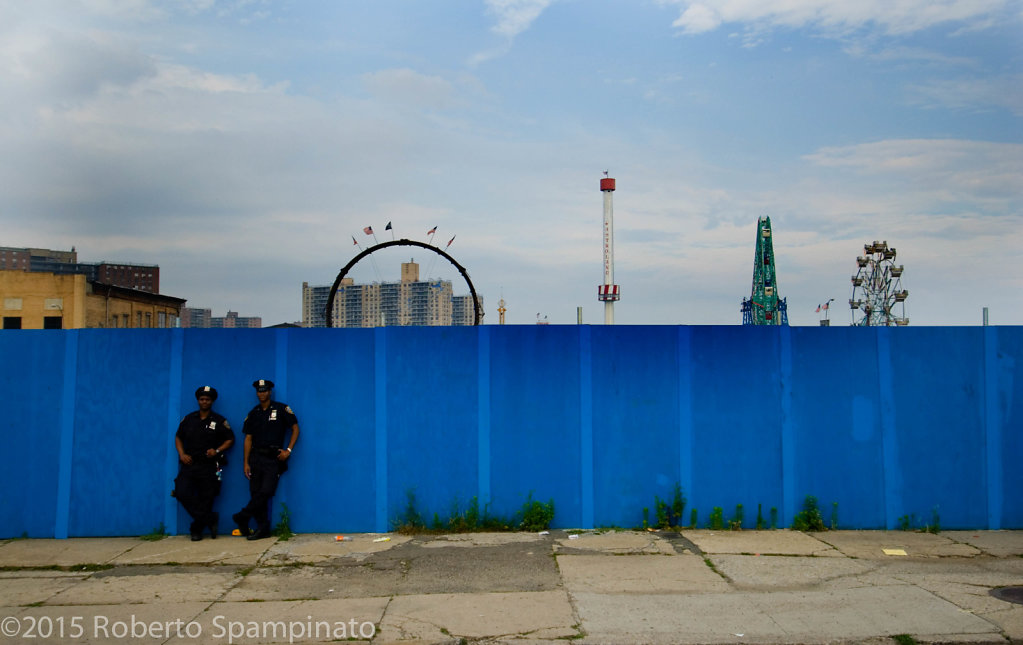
(885, 423)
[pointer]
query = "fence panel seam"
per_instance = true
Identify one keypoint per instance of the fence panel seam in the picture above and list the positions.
(67, 435)
(586, 425)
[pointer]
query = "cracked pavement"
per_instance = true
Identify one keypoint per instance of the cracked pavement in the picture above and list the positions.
(697, 586)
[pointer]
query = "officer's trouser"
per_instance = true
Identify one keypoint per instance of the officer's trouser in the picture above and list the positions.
(266, 472)
(195, 487)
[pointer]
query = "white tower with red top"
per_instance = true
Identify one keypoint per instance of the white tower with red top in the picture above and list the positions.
(608, 292)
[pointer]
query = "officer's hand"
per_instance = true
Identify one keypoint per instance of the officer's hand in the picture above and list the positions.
(248, 471)
(283, 455)
(186, 459)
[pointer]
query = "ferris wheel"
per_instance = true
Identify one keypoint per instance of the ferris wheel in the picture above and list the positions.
(878, 298)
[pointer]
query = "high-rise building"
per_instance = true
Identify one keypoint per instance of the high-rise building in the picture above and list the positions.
(462, 311)
(233, 321)
(409, 302)
(314, 304)
(198, 318)
(204, 319)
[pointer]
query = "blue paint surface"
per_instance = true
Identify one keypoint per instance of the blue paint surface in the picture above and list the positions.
(118, 485)
(535, 438)
(941, 438)
(32, 382)
(838, 428)
(432, 439)
(736, 420)
(636, 423)
(883, 422)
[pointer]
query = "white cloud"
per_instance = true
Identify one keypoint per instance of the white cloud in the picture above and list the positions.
(140, 10)
(1004, 92)
(54, 66)
(698, 18)
(944, 169)
(515, 16)
(834, 16)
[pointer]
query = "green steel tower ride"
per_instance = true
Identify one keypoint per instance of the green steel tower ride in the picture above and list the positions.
(764, 307)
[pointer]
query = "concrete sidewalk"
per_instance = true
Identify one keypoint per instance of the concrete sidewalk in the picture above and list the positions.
(587, 586)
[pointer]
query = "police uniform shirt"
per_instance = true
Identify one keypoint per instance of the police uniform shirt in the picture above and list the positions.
(198, 435)
(269, 426)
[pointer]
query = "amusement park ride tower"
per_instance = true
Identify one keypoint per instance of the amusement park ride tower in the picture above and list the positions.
(608, 292)
(764, 307)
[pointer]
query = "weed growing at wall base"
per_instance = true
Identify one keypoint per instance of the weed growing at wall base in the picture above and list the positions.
(536, 516)
(157, 533)
(283, 528)
(809, 519)
(717, 521)
(669, 516)
(909, 522)
(411, 520)
(533, 516)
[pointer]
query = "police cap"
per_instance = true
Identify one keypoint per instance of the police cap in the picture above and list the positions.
(207, 390)
(263, 385)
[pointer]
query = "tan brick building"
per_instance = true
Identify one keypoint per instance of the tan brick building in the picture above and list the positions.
(33, 300)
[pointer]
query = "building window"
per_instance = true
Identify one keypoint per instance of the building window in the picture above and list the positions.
(12, 322)
(113, 321)
(124, 318)
(149, 320)
(161, 319)
(53, 322)
(138, 319)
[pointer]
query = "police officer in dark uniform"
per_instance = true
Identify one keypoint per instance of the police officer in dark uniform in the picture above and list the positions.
(201, 439)
(266, 457)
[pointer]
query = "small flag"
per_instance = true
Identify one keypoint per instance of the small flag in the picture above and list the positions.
(818, 308)
(825, 305)
(368, 230)
(354, 241)
(450, 241)
(432, 231)
(388, 227)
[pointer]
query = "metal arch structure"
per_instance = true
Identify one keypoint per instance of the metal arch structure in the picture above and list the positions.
(877, 288)
(329, 312)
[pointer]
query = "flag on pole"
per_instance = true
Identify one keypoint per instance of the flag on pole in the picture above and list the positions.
(825, 305)
(432, 231)
(388, 227)
(354, 241)
(450, 241)
(368, 230)
(818, 308)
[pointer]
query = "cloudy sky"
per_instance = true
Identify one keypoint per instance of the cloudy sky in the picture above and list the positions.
(241, 144)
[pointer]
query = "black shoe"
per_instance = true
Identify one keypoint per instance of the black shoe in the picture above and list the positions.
(260, 534)
(213, 526)
(196, 537)
(243, 523)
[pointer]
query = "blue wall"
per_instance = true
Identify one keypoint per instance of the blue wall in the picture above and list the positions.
(883, 422)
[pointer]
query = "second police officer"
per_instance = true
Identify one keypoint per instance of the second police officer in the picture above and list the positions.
(266, 457)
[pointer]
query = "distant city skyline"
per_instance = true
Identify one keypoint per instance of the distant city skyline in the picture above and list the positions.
(242, 146)
(408, 301)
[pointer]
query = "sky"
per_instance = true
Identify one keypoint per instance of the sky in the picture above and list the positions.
(243, 146)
